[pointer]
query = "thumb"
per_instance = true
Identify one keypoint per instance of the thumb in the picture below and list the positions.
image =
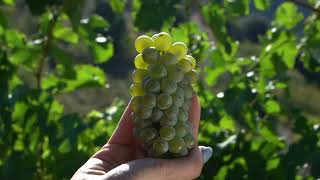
(163, 169)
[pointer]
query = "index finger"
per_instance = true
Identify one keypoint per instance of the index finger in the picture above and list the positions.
(194, 115)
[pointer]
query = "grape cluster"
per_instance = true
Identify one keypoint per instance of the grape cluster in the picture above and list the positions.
(161, 95)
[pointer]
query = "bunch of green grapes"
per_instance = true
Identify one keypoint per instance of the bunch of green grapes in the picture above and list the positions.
(161, 96)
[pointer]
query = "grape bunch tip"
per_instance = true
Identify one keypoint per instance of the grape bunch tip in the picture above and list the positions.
(161, 93)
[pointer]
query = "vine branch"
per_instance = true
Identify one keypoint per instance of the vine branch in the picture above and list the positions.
(46, 48)
(305, 5)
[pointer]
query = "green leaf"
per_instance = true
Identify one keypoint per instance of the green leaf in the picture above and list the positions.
(8, 2)
(65, 146)
(102, 52)
(273, 164)
(270, 136)
(14, 38)
(237, 7)
(97, 21)
(64, 32)
(262, 4)
(117, 5)
(86, 76)
(272, 107)
(288, 15)
(73, 8)
(227, 123)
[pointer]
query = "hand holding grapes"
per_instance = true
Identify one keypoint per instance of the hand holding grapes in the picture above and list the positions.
(124, 158)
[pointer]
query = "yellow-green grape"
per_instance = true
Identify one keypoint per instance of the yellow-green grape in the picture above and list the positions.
(182, 116)
(156, 115)
(151, 85)
(189, 140)
(193, 61)
(167, 133)
(143, 42)
(168, 59)
(171, 112)
(150, 55)
(175, 74)
(162, 41)
(185, 107)
(147, 134)
(143, 112)
(160, 147)
(149, 100)
(168, 87)
(183, 152)
(188, 91)
(168, 121)
(178, 97)
(164, 101)
(138, 75)
(180, 130)
(153, 37)
(191, 77)
(188, 126)
(136, 89)
(142, 123)
(176, 145)
(179, 49)
(139, 63)
(136, 103)
(157, 71)
(185, 65)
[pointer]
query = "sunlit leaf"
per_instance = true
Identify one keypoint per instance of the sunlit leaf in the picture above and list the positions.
(288, 15)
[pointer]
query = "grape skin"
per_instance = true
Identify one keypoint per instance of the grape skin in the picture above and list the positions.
(176, 145)
(136, 89)
(149, 100)
(179, 49)
(157, 71)
(143, 42)
(175, 74)
(151, 85)
(159, 147)
(189, 141)
(191, 77)
(156, 115)
(185, 65)
(162, 41)
(136, 102)
(193, 61)
(168, 59)
(167, 86)
(164, 101)
(139, 63)
(167, 133)
(147, 134)
(138, 75)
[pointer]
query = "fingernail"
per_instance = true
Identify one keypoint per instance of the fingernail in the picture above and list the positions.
(206, 153)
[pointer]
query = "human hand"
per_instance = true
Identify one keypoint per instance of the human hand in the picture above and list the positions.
(124, 158)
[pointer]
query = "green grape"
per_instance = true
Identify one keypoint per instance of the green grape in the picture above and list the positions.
(143, 112)
(138, 75)
(136, 103)
(193, 61)
(149, 100)
(142, 123)
(191, 77)
(185, 65)
(139, 63)
(180, 130)
(164, 101)
(176, 145)
(188, 91)
(189, 140)
(153, 37)
(178, 98)
(162, 41)
(151, 85)
(168, 87)
(183, 152)
(147, 134)
(179, 49)
(167, 133)
(157, 71)
(185, 107)
(168, 121)
(136, 89)
(143, 42)
(182, 116)
(168, 59)
(159, 147)
(188, 126)
(171, 112)
(175, 74)
(156, 115)
(150, 55)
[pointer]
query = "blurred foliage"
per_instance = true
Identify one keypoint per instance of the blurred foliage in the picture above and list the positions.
(40, 141)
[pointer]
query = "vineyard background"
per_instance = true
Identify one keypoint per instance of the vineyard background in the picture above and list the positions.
(65, 73)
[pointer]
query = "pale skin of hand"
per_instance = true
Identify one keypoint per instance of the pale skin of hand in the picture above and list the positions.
(123, 158)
